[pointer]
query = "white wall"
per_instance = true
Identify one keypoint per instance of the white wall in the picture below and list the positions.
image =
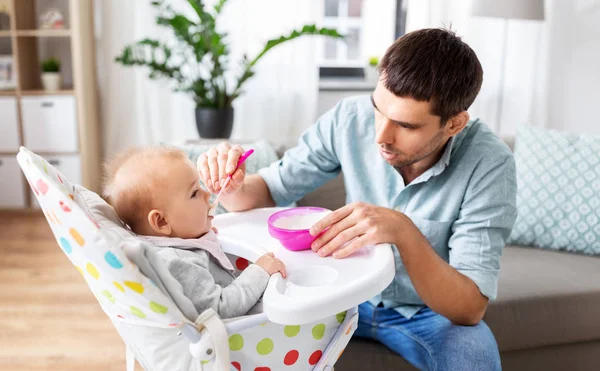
(551, 74)
(574, 79)
(379, 26)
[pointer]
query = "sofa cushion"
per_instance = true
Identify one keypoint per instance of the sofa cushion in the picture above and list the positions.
(545, 298)
(364, 354)
(558, 197)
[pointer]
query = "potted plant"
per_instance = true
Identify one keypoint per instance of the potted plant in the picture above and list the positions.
(371, 72)
(198, 59)
(51, 79)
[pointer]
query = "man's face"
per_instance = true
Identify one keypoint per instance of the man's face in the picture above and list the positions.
(406, 131)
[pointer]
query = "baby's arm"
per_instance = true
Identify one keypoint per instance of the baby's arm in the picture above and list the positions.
(232, 300)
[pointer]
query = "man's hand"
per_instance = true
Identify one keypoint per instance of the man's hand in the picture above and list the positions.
(217, 163)
(364, 223)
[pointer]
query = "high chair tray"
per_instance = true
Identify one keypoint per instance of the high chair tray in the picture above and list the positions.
(315, 287)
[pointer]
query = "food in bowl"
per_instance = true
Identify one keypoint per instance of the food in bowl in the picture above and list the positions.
(291, 226)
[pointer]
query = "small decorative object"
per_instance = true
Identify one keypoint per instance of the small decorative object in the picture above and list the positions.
(51, 79)
(7, 73)
(371, 72)
(197, 59)
(52, 19)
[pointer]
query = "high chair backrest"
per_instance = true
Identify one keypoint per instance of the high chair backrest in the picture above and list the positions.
(97, 252)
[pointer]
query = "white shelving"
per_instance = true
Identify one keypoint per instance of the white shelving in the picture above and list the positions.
(61, 126)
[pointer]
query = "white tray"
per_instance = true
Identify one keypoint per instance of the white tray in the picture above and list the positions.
(315, 287)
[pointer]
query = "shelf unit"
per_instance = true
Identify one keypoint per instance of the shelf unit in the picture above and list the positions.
(61, 126)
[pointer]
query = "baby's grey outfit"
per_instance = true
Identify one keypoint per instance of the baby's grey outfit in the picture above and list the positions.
(206, 275)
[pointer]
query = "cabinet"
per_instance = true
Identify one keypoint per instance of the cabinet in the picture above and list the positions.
(49, 123)
(12, 184)
(9, 127)
(60, 125)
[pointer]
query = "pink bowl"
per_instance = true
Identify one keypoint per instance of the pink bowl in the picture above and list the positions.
(293, 239)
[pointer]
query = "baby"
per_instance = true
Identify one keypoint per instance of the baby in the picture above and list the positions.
(156, 192)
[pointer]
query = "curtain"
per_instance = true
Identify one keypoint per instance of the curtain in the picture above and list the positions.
(523, 92)
(278, 103)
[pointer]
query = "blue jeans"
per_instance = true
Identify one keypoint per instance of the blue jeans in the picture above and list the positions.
(430, 341)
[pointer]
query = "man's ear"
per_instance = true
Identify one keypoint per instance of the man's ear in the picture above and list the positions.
(457, 123)
(158, 223)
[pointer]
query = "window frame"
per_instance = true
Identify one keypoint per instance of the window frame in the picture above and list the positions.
(342, 67)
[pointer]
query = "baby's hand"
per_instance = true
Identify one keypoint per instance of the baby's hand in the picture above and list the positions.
(271, 264)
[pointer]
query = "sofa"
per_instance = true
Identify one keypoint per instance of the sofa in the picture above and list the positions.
(546, 316)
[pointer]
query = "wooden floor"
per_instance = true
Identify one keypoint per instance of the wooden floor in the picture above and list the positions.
(49, 320)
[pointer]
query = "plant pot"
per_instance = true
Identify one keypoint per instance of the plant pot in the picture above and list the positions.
(214, 123)
(51, 81)
(371, 74)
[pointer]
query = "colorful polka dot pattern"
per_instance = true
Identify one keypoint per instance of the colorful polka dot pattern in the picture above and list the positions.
(157, 308)
(318, 331)
(117, 284)
(265, 346)
(135, 286)
(112, 260)
(291, 331)
(291, 357)
(91, 269)
(137, 312)
(315, 357)
(236, 342)
(278, 347)
(76, 236)
(241, 264)
(66, 246)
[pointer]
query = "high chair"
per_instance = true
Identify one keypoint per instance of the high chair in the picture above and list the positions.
(307, 321)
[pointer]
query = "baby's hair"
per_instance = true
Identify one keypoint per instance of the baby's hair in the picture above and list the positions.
(129, 178)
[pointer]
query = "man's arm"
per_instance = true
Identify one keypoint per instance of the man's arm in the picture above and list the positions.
(441, 287)
(460, 289)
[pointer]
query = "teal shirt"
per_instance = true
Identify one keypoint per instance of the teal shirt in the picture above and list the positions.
(465, 205)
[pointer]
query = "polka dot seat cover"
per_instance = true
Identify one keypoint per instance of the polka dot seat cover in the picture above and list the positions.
(125, 294)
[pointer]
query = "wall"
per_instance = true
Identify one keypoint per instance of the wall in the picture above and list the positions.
(551, 74)
(574, 79)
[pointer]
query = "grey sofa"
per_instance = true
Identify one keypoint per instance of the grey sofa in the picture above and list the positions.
(546, 317)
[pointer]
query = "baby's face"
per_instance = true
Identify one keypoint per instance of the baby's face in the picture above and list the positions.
(186, 205)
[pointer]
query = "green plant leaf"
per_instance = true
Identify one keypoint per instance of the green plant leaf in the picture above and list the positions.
(198, 59)
(51, 64)
(219, 6)
(306, 30)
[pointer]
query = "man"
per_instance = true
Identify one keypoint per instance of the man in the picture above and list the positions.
(419, 175)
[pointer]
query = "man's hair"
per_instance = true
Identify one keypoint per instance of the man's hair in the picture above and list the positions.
(433, 65)
(132, 177)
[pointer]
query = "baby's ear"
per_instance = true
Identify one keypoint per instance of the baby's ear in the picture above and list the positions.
(158, 223)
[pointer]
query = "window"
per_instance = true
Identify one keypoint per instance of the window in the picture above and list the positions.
(346, 17)
(370, 27)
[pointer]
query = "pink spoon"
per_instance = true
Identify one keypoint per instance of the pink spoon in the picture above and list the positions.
(213, 206)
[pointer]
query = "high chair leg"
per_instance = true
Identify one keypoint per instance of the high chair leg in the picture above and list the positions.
(129, 358)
